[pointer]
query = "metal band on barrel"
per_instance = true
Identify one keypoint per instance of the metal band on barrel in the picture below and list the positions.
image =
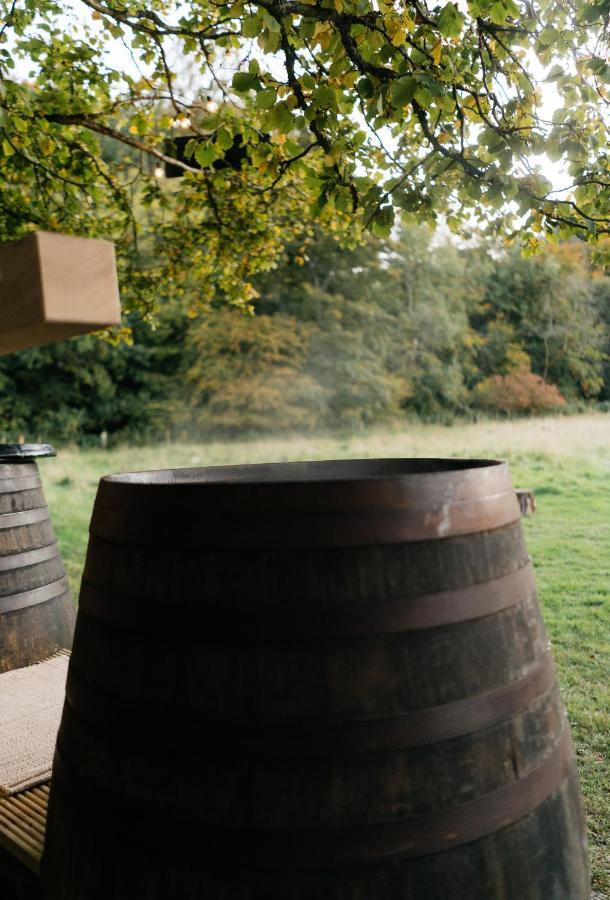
(324, 847)
(417, 728)
(334, 527)
(27, 517)
(35, 596)
(29, 557)
(365, 618)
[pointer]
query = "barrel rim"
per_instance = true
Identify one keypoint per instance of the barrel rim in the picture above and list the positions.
(375, 501)
(18, 453)
(186, 477)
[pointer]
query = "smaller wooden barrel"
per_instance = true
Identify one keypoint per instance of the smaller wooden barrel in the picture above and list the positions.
(36, 611)
(324, 681)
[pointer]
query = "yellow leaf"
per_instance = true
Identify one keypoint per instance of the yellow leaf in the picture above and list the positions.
(396, 30)
(436, 53)
(408, 23)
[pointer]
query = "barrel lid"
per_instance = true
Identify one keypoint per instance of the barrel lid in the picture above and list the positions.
(15, 453)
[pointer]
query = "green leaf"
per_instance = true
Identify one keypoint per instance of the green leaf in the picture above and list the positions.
(556, 72)
(269, 41)
(366, 88)
(224, 139)
(325, 97)
(272, 23)
(383, 222)
(595, 64)
(244, 82)
(423, 97)
(588, 13)
(403, 91)
(338, 67)
(205, 154)
(266, 99)
(450, 21)
(498, 12)
(307, 28)
(281, 119)
(547, 37)
(251, 27)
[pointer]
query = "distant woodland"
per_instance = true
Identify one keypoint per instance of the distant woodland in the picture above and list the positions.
(335, 339)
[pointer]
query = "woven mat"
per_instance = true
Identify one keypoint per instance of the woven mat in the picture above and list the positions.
(31, 701)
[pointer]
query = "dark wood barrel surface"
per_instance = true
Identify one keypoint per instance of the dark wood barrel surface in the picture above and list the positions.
(36, 611)
(315, 681)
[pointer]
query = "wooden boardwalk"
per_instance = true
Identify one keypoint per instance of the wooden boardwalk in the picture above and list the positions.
(23, 820)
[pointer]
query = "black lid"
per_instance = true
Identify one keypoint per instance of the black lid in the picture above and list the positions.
(15, 453)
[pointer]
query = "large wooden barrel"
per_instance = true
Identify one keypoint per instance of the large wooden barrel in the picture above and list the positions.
(36, 611)
(315, 681)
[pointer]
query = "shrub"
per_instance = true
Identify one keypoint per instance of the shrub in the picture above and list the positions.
(518, 393)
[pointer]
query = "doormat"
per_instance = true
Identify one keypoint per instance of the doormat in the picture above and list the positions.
(31, 702)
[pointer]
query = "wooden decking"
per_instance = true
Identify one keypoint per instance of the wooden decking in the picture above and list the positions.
(22, 825)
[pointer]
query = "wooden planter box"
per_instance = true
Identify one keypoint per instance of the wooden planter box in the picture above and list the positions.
(54, 286)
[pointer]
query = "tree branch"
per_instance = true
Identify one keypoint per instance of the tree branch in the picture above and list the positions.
(92, 124)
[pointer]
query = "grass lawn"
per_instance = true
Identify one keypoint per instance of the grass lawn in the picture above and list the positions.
(567, 463)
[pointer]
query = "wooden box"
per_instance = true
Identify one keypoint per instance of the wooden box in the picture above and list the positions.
(54, 286)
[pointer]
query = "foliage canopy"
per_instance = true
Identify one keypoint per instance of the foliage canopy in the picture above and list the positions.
(344, 110)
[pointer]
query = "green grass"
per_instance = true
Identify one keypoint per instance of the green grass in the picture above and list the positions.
(567, 463)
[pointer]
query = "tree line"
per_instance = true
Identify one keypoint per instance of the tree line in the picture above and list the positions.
(335, 339)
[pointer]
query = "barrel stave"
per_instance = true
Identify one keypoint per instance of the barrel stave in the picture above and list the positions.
(19, 501)
(30, 577)
(19, 538)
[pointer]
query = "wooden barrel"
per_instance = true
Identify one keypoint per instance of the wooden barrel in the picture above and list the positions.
(314, 681)
(36, 611)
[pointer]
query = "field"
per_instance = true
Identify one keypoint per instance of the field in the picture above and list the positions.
(566, 461)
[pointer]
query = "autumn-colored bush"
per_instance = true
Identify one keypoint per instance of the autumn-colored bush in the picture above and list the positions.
(275, 401)
(518, 393)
